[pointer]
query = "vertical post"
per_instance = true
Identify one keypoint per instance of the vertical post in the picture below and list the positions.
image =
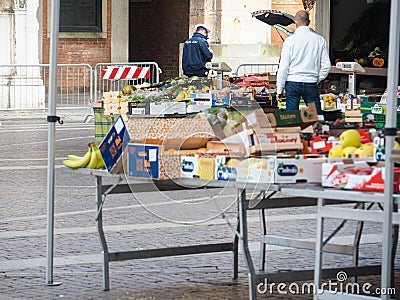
(51, 119)
(219, 80)
(352, 84)
(319, 247)
(390, 132)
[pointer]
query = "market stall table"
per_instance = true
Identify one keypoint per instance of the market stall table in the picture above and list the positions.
(266, 200)
(344, 213)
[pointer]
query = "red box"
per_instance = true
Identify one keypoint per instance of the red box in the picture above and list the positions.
(358, 175)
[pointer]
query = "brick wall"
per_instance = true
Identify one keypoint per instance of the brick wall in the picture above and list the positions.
(291, 7)
(155, 30)
(78, 50)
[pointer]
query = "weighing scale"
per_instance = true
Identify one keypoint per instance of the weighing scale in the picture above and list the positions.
(220, 68)
(352, 68)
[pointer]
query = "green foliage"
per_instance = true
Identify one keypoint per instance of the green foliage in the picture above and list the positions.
(366, 33)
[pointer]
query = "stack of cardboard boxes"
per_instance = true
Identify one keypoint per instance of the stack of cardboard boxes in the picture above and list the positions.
(168, 148)
(115, 103)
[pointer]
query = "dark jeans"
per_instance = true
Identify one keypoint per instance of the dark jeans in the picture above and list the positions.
(307, 91)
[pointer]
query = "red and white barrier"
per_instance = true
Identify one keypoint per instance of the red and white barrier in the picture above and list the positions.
(128, 72)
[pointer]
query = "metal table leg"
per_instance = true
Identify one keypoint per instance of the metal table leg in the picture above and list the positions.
(99, 224)
(245, 244)
(235, 248)
(263, 245)
(356, 243)
(318, 247)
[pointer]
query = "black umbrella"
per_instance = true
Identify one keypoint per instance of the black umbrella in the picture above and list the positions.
(275, 18)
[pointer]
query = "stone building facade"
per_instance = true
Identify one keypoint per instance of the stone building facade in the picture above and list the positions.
(141, 30)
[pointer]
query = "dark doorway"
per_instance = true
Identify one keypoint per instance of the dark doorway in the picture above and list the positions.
(156, 28)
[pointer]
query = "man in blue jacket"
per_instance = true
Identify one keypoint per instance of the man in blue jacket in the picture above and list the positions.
(196, 53)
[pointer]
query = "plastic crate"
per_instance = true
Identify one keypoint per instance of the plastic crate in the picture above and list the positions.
(366, 102)
(381, 119)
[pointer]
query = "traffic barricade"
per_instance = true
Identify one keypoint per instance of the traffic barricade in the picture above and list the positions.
(114, 76)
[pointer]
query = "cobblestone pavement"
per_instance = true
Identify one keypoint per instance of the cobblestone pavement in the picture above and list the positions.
(142, 221)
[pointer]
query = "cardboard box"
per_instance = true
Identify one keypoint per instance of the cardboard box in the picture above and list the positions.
(137, 111)
(167, 108)
(302, 168)
(115, 108)
(249, 170)
(303, 117)
(206, 168)
(353, 116)
(211, 97)
(222, 171)
(222, 101)
(241, 138)
(219, 147)
(255, 119)
(189, 166)
(151, 161)
(113, 96)
(113, 146)
(200, 95)
(254, 170)
(254, 175)
(357, 175)
(275, 139)
(242, 99)
(196, 107)
(194, 131)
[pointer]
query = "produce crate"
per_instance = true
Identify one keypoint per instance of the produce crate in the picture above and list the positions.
(379, 113)
(102, 124)
(381, 119)
(366, 102)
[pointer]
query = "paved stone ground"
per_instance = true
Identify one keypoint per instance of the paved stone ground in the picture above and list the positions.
(133, 222)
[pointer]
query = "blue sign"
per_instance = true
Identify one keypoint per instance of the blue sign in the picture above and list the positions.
(287, 170)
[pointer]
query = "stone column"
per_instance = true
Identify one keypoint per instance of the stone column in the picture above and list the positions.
(119, 31)
(212, 17)
(21, 85)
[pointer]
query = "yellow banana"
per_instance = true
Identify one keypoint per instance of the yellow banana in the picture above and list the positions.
(100, 161)
(81, 163)
(74, 157)
(93, 158)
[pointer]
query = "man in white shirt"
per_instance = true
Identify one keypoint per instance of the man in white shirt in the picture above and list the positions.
(304, 63)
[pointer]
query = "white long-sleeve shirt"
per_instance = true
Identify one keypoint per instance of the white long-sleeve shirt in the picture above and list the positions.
(304, 58)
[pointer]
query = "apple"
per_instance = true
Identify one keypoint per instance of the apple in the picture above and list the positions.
(366, 151)
(348, 151)
(364, 171)
(350, 137)
(370, 144)
(336, 151)
(351, 170)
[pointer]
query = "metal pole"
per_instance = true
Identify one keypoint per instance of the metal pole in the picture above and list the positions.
(390, 128)
(51, 118)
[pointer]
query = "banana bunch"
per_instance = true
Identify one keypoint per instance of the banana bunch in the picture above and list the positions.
(91, 160)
